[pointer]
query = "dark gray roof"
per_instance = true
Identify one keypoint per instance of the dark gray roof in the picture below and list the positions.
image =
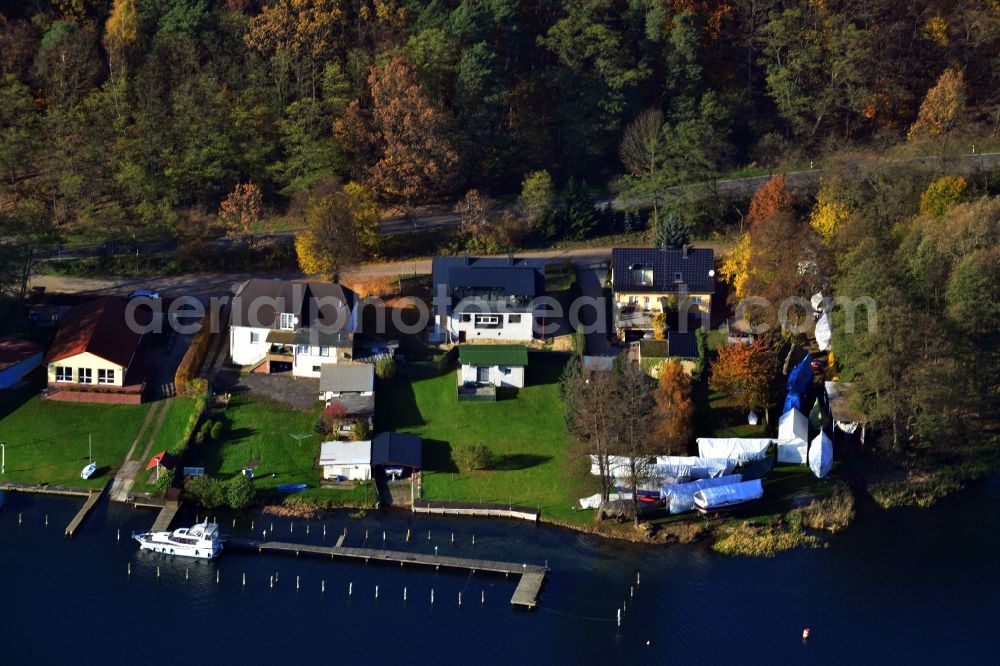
(397, 448)
(510, 275)
(347, 377)
(693, 267)
(259, 302)
(357, 405)
(682, 345)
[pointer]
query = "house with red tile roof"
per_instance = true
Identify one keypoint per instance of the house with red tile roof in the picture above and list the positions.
(94, 348)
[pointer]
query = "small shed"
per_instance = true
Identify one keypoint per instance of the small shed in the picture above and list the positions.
(496, 365)
(793, 437)
(398, 453)
(17, 358)
(346, 460)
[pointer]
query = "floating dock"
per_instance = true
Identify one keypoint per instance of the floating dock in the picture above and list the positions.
(526, 594)
(88, 505)
(485, 510)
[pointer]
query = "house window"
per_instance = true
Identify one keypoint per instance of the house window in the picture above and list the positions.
(466, 318)
(287, 321)
(483, 374)
(643, 277)
(488, 321)
(302, 349)
(105, 376)
(64, 374)
(324, 351)
(254, 338)
(514, 319)
(316, 368)
(85, 375)
(696, 300)
(678, 277)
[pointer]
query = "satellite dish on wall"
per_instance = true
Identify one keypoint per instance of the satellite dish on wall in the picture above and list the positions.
(711, 272)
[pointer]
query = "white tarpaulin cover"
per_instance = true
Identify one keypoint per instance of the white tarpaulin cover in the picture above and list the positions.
(738, 449)
(821, 455)
(793, 437)
(618, 466)
(824, 332)
(680, 498)
(680, 467)
(817, 301)
(594, 501)
(733, 493)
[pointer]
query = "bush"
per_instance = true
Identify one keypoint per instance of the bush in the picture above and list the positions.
(763, 540)
(385, 368)
(832, 513)
(360, 431)
(473, 456)
(205, 491)
(216, 431)
(205, 432)
(240, 492)
(702, 363)
(320, 426)
(163, 481)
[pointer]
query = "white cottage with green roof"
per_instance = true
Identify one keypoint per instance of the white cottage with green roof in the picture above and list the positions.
(496, 365)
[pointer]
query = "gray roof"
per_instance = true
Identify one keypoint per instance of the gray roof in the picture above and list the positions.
(692, 266)
(259, 302)
(397, 448)
(506, 276)
(347, 377)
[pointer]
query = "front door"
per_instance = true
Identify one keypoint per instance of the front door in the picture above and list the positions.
(461, 336)
(483, 375)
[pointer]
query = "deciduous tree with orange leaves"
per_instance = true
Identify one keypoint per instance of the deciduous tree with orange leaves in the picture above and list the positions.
(771, 198)
(744, 372)
(673, 415)
(240, 212)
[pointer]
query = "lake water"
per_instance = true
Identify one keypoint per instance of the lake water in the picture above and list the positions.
(902, 586)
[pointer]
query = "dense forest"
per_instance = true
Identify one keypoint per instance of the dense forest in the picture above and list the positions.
(137, 117)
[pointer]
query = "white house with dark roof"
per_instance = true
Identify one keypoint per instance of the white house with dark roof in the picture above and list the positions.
(647, 281)
(297, 327)
(486, 299)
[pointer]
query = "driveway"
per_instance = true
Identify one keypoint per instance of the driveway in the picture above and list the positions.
(299, 392)
(591, 277)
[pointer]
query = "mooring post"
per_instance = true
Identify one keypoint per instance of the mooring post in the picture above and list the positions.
(407, 535)
(187, 574)
(619, 617)
(473, 539)
(383, 536)
(157, 571)
(432, 596)
(216, 576)
(324, 530)
(296, 582)
(272, 581)
(459, 598)
(234, 523)
(350, 588)
(428, 535)
(129, 568)
(631, 592)
(46, 520)
(404, 594)
(252, 524)
(637, 578)
(119, 536)
(482, 599)
(322, 587)
(244, 579)
(376, 591)
(452, 537)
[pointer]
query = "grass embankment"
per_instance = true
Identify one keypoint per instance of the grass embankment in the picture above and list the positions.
(922, 481)
(46, 441)
(525, 432)
(170, 438)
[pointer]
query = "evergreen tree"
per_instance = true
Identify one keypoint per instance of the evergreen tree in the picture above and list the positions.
(671, 234)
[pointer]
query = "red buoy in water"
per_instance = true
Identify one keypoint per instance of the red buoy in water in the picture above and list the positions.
(805, 634)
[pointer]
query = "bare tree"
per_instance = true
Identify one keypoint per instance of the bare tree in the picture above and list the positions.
(590, 402)
(632, 423)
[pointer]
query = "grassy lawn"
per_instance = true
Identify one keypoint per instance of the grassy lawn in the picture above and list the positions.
(47, 441)
(261, 430)
(525, 432)
(170, 438)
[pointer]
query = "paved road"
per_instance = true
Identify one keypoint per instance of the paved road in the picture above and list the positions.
(433, 221)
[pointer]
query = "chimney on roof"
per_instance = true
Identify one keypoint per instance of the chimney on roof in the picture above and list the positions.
(685, 248)
(510, 258)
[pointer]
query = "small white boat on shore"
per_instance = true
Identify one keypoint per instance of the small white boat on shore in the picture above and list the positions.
(88, 471)
(202, 541)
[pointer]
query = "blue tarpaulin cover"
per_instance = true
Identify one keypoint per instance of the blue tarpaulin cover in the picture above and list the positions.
(798, 382)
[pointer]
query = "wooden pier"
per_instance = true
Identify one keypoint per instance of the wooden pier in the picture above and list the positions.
(39, 489)
(166, 516)
(483, 510)
(88, 505)
(526, 594)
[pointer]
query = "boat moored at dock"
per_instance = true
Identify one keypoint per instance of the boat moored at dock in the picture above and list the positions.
(201, 541)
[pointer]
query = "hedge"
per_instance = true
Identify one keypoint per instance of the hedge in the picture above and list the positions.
(190, 365)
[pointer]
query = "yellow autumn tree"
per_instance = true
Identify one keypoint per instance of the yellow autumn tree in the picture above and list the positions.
(735, 267)
(365, 216)
(828, 213)
(942, 106)
(120, 31)
(328, 245)
(942, 194)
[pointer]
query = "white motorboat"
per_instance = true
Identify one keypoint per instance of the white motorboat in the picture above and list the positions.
(202, 541)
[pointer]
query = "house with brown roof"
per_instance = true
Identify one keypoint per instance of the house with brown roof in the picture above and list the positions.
(17, 358)
(93, 351)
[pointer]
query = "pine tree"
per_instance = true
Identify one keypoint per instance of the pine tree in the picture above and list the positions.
(672, 233)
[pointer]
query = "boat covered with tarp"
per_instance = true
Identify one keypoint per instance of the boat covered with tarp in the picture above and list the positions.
(682, 468)
(680, 498)
(725, 497)
(757, 469)
(793, 437)
(821, 455)
(737, 449)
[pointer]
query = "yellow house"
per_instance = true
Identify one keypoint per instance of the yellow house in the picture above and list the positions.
(646, 281)
(93, 349)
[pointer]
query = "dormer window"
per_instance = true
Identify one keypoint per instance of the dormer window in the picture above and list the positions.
(678, 277)
(287, 321)
(643, 276)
